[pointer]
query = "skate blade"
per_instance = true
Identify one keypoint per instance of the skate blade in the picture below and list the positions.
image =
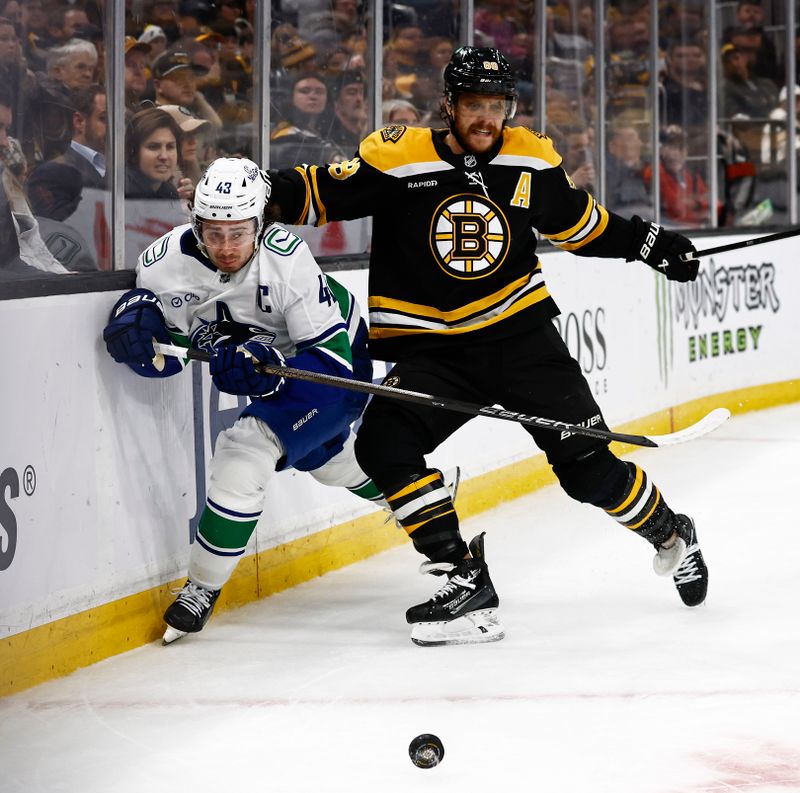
(668, 560)
(172, 634)
(477, 627)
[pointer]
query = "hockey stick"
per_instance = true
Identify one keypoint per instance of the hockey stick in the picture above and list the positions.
(733, 246)
(707, 424)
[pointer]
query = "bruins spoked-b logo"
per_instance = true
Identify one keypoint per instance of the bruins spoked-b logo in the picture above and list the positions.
(469, 236)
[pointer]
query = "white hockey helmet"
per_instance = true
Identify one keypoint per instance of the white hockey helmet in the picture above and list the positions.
(232, 188)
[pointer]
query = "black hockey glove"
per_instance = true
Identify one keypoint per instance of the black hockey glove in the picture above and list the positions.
(136, 319)
(234, 369)
(667, 252)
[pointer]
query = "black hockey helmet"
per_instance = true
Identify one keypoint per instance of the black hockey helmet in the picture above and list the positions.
(480, 70)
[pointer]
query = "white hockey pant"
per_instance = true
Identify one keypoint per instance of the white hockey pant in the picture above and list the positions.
(244, 459)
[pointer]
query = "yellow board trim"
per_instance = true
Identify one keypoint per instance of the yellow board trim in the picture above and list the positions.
(60, 647)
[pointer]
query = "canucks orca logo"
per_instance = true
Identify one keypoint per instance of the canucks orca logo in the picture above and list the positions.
(469, 236)
(226, 330)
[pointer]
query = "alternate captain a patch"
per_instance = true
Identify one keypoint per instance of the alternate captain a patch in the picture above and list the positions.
(393, 134)
(469, 236)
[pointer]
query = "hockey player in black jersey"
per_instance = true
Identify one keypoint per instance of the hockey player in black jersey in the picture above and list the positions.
(458, 300)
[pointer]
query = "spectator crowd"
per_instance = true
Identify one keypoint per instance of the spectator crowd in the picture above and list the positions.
(189, 98)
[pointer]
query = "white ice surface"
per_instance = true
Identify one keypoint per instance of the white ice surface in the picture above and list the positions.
(605, 682)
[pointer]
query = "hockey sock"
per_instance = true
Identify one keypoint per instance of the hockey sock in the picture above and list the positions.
(641, 508)
(222, 537)
(423, 507)
(367, 490)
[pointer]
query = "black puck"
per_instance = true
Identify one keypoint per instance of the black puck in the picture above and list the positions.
(426, 751)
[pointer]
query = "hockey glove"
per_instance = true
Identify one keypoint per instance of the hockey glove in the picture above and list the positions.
(137, 319)
(667, 252)
(234, 370)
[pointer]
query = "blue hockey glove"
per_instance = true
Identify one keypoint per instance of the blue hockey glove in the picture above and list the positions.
(136, 319)
(665, 251)
(234, 371)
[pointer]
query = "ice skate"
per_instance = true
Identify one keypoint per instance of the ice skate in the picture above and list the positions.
(683, 560)
(190, 611)
(464, 610)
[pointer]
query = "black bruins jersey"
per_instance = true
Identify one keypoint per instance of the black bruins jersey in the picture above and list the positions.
(453, 252)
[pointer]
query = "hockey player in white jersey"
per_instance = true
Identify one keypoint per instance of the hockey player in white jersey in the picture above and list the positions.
(234, 285)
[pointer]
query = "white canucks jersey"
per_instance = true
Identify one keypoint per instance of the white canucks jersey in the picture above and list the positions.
(280, 298)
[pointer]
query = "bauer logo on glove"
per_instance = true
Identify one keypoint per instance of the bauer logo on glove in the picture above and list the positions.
(665, 251)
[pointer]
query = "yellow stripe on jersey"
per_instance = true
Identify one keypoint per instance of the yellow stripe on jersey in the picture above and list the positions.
(378, 331)
(404, 307)
(304, 214)
(414, 145)
(322, 212)
(521, 143)
(591, 225)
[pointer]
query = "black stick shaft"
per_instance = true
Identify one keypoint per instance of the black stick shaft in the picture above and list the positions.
(733, 246)
(438, 402)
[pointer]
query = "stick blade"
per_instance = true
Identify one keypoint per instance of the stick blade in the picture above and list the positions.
(716, 418)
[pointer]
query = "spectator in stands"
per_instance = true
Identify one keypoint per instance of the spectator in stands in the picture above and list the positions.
(11, 155)
(350, 112)
(308, 103)
(155, 38)
(402, 53)
(63, 19)
(684, 194)
(164, 13)
(774, 141)
(17, 80)
(683, 88)
(400, 111)
(22, 251)
(175, 83)
(299, 136)
(54, 192)
(579, 158)
(152, 143)
(763, 58)
(136, 53)
(73, 64)
(33, 31)
(743, 95)
(626, 191)
(230, 10)
(193, 130)
(89, 125)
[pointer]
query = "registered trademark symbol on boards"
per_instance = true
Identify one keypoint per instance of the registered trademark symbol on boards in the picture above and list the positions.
(29, 479)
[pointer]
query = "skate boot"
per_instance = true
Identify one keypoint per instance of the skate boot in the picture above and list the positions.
(190, 611)
(464, 610)
(684, 562)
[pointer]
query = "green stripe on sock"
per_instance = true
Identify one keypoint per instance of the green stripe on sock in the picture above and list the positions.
(368, 491)
(224, 533)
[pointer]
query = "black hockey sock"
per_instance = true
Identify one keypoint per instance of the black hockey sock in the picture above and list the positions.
(423, 507)
(641, 507)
